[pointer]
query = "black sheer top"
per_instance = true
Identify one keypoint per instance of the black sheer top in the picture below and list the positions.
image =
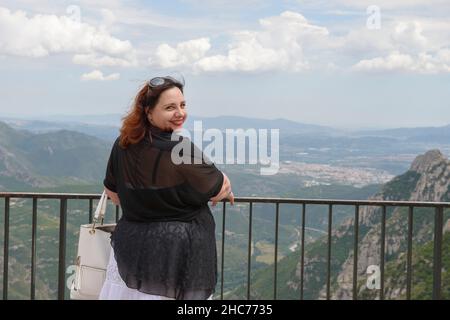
(164, 244)
(151, 187)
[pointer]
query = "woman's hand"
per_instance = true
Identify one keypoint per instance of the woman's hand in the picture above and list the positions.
(231, 197)
(225, 192)
(113, 196)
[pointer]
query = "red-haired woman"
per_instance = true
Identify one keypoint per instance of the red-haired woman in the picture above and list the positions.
(164, 245)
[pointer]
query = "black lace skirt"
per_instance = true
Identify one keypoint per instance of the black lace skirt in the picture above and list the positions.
(173, 259)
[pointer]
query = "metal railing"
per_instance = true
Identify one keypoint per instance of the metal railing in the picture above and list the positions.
(62, 197)
(437, 238)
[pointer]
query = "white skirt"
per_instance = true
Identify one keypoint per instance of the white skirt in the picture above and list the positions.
(114, 288)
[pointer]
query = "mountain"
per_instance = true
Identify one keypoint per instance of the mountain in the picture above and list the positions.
(111, 119)
(30, 160)
(419, 134)
(100, 130)
(286, 126)
(94, 124)
(428, 179)
(387, 150)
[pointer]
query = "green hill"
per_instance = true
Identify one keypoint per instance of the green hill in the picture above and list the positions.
(51, 159)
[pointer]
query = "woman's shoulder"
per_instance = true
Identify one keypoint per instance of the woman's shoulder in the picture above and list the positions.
(168, 144)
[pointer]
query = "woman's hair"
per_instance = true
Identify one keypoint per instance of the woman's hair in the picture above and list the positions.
(135, 124)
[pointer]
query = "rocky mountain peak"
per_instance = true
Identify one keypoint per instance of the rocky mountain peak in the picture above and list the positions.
(424, 163)
(434, 182)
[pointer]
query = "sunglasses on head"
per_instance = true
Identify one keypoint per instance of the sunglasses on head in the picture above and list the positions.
(158, 81)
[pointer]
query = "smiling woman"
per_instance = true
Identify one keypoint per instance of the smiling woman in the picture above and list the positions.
(164, 245)
(162, 106)
(170, 112)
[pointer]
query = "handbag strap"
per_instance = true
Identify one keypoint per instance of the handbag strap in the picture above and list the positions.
(99, 214)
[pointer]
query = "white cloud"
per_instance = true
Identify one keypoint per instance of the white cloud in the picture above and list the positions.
(279, 44)
(404, 34)
(289, 42)
(396, 61)
(285, 42)
(96, 60)
(382, 4)
(98, 75)
(247, 54)
(412, 46)
(228, 4)
(184, 54)
(108, 18)
(42, 35)
(444, 55)
(409, 36)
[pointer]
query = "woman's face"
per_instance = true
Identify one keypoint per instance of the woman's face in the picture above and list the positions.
(169, 113)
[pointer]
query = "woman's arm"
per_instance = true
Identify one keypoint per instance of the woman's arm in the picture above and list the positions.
(225, 192)
(113, 196)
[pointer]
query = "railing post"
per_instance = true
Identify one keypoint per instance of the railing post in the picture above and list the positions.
(223, 248)
(90, 209)
(330, 224)
(276, 251)
(302, 267)
(437, 252)
(249, 249)
(6, 250)
(33, 250)
(409, 254)
(382, 258)
(62, 249)
(355, 254)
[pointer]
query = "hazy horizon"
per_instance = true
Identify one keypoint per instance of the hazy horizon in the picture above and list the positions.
(49, 117)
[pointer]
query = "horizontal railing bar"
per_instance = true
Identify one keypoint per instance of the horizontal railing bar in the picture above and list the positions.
(344, 202)
(247, 199)
(50, 195)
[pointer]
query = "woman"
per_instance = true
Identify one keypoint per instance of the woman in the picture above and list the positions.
(164, 244)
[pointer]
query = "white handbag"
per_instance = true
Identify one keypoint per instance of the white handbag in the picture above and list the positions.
(92, 259)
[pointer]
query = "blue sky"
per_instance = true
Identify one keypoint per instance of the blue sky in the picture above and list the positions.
(339, 63)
